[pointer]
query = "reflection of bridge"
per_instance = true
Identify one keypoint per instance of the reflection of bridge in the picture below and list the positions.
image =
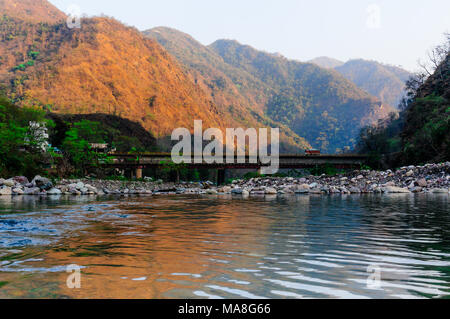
(155, 160)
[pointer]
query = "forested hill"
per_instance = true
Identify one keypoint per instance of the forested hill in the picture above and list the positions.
(102, 67)
(31, 10)
(426, 135)
(422, 132)
(232, 90)
(384, 81)
(316, 103)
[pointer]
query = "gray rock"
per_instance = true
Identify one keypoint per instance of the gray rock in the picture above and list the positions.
(79, 186)
(237, 191)
(302, 189)
(354, 190)
(42, 182)
(422, 182)
(32, 191)
(22, 180)
(9, 183)
(271, 191)
(439, 191)
(54, 191)
(5, 191)
(18, 191)
(396, 190)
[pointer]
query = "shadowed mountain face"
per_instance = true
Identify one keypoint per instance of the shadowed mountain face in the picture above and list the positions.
(106, 67)
(426, 135)
(234, 91)
(386, 82)
(31, 10)
(317, 104)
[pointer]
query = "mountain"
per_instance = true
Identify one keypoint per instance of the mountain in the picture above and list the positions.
(421, 133)
(426, 133)
(316, 103)
(31, 10)
(295, 94)
(102, 67)
(326, 62)
(383, 81)
(232, 90)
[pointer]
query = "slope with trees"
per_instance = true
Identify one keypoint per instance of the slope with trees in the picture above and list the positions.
(422, 131)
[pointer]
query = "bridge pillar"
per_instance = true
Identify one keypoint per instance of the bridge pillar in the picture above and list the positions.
(139, 173)
(221, 176)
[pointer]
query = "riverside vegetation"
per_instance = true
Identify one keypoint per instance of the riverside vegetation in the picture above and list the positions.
(429, 178)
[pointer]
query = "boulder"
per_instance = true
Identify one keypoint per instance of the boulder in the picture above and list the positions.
(302, 189)
(422, 182)
(91, 188)
(271, 191)
(439, 191)
(42, 182)
(9, 183)
(5, 191)
(396, 190)
(32, 191)
(237, 191)
(79, 185)
(225, 189)
(354, 190)
(22, 180)
(54, 191)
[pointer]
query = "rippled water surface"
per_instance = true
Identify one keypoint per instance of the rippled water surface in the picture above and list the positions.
(224, 247)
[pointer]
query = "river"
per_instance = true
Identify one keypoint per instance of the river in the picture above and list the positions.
(226, 247)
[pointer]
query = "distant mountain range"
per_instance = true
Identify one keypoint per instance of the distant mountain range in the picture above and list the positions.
(384, 81)
(164, 79)
(318, 104)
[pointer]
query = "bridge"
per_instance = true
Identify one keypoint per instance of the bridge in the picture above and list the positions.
(140, 161)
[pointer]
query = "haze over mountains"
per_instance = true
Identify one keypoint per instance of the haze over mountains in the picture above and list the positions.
(164, 79)
(318, 104)
(386, 82)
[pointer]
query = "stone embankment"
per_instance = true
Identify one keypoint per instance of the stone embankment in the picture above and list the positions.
(430, 178)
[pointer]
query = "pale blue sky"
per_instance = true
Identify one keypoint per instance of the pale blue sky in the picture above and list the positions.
(298, 29)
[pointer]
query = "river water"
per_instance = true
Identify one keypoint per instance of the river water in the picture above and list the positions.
(226, 247)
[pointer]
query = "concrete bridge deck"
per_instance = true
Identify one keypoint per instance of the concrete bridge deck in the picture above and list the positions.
(286, 161)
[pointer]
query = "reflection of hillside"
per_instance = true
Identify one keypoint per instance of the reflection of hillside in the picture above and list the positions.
(313, 246)
(186, 248)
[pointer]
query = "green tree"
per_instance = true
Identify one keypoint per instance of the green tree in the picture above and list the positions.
(77, 145)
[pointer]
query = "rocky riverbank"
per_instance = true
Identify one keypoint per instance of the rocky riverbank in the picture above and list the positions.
(430, 178)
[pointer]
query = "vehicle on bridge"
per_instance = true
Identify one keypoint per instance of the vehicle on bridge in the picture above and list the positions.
(312, 152)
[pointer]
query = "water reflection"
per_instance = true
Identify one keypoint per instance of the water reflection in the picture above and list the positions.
(226, 247)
